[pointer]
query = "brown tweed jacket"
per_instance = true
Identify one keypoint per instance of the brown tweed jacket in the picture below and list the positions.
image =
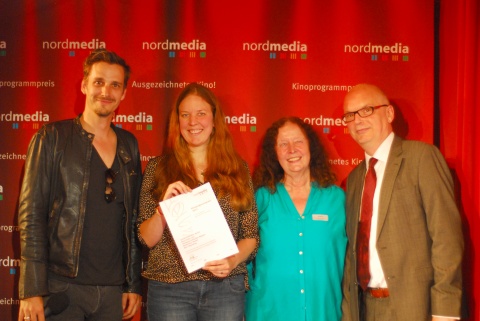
(419, 236)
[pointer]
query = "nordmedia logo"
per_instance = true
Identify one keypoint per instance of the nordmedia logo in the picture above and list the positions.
(244, 122)
(292, 51)
(25, 121)
(3, 48)
(330, 125)
(187, 49)
(10, 263)
(380, 52)
(72, 45)
(140, 121)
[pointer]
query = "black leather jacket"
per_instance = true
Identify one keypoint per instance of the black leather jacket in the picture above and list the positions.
(53, 201)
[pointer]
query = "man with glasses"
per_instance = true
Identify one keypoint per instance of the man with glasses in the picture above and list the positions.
(78, 206)
(404, 255)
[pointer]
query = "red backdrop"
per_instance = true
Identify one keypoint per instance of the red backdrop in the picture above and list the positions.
(263, 59)
(458, 131)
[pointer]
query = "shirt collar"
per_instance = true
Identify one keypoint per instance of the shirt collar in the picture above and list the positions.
(383, 150)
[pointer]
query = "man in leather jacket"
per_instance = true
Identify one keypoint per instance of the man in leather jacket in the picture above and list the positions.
(78, 207)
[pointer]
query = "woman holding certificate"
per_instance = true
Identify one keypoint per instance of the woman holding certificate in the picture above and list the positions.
(199, 149)
(298, 269)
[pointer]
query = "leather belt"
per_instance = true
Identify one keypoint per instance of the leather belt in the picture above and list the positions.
(378, 293)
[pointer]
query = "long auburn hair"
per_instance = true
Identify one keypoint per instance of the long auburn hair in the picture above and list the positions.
(269, 172)
(226, 171)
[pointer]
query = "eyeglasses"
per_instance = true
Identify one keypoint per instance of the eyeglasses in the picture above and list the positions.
(109, 180)
(363, 112)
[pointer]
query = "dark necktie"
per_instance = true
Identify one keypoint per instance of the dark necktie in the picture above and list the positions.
(363, 236)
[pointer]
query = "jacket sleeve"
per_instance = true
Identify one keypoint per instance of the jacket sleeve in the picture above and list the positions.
(346, 284)
(33, 211)
(444, 227)
(134, 281)
(350, 310)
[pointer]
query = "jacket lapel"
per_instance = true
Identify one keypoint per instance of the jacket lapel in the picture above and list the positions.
(356, 190)
(394, 163)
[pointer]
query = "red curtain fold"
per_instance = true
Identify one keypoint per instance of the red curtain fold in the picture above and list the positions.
(459, 131)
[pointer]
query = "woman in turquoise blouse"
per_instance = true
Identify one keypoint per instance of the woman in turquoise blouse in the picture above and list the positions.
(298, 269)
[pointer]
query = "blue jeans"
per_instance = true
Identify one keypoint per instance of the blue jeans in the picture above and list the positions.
(215, 300)
(88, 302)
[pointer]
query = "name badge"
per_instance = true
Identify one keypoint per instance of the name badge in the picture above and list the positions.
(320, 217)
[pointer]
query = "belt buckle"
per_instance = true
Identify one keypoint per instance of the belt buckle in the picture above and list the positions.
(379, 293)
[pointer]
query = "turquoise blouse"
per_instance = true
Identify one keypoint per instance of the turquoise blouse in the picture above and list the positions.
(299, 265)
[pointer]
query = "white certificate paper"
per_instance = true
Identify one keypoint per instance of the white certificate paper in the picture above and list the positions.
(198, 227)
